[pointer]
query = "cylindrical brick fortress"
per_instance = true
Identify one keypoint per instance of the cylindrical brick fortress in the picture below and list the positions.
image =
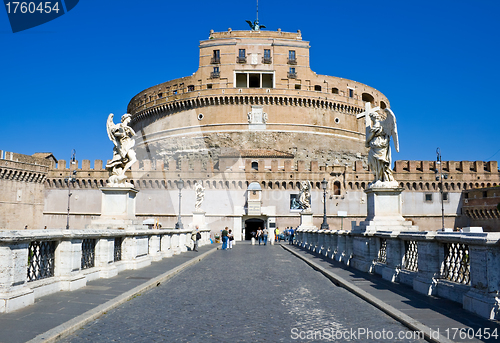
(254, 90)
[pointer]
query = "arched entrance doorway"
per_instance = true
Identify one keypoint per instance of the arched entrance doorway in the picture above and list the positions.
(251, 226)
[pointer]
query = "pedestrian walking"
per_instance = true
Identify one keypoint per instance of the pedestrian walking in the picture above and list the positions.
(277, 234)
(196, 236)
(265, 234)
(259, 235)
(231, 238)
(292, 233)
(224, 238)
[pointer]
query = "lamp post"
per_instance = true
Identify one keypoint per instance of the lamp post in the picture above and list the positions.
(180, 186)
(69, 180)
(440, 178)
(324, 225)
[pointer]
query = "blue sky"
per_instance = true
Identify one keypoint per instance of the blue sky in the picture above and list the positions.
(436, 61)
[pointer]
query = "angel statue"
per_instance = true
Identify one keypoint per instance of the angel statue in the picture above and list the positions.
(123, 155)
(380, 127)
(305, 196)
(200, 195)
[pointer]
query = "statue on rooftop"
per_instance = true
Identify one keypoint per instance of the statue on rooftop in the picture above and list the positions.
(121, 135)
(255, 25)
(380, 127)
(200, 195)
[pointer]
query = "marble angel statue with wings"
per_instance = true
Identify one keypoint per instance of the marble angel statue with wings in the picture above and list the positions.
(380, 127)
(121, 135)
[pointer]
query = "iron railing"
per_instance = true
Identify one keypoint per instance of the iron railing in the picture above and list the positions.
(117, 252)
(292, 61)
(241, 59)
(456, 265)
(267, 60)
(411, 256)
(88, 253)
(215, 74)
(215, 60)
(292, 75)
(41, 260)
(382, 251)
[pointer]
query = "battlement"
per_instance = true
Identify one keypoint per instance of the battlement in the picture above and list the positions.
(448, 166)
(283, 164)
(45, 159)
(256, 34)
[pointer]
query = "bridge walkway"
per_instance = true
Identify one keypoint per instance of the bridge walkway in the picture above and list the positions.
(250, 293)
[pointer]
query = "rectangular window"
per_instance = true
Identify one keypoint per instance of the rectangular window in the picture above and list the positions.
(267, 80)
(445, 196)
(297, 87)
(294, 202)
(209, 86)
(254, 80)
(428, 197)
(267, 56)
(351, 93)
(291, 54)
(215, 74)
(242, 56)
(216, 56)
(241, 80)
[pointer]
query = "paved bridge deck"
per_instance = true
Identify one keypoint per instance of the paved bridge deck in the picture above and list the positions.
(250, 293)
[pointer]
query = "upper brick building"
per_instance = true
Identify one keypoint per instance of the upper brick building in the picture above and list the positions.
(254, 90)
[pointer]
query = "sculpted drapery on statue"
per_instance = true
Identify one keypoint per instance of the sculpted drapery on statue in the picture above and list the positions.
(380, 127)
(123, 155)
(200, 195)
(305, 196)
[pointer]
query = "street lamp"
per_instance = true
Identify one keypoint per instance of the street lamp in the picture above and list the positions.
(180, 186)
(324, 225)
(440, 178)
(69, 180)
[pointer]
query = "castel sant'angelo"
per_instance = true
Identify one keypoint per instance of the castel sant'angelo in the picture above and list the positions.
(251, 124)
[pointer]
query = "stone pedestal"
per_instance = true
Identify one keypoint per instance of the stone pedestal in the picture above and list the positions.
(384, 211)
(117, 209)
(306, 221)
(199, 219)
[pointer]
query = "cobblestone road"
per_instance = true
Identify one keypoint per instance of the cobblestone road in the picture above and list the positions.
(247, 294)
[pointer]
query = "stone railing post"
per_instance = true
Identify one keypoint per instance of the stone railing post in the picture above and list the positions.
(183, 241)
(334, 238)
(175, 242)
(349, 248)
(14, 291)
(483, 297)
(340, 255)
(315, 240)
(104, 257)
(365, 251)
(68, 262)
(327, 242)
(155, 248)
(166, 245)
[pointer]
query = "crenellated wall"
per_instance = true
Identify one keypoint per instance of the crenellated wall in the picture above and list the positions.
(22, 184)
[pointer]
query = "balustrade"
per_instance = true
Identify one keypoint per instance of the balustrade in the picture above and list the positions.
(462, 267)
(39, 262)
